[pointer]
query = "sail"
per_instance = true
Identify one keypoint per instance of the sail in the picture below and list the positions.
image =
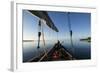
(44, 15)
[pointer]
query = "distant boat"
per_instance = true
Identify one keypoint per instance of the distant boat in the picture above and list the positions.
(57, 53)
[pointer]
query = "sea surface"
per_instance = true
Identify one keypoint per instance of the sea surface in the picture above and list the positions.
(80, 50)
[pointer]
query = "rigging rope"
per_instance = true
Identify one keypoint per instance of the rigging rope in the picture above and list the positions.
(71, 33)
(43, 36)
(44, 48)
(39, 33)
(57, 36)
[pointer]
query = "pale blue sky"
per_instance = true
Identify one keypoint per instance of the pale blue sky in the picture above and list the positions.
(80, 25)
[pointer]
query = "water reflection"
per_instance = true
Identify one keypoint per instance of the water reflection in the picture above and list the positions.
(80, 50)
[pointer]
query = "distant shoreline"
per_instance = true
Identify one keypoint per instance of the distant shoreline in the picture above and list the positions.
(88, 39)
(28, 40)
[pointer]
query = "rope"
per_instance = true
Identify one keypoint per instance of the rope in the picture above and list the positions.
(43, 36)
(70, 30)
(39, 33)
(43, 40)
(57, 36)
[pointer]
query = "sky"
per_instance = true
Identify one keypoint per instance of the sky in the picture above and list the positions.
(80, 25)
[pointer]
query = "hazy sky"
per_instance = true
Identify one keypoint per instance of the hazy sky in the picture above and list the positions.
(80, 25)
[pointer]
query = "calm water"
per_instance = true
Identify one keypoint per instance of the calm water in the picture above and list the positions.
(80, 50)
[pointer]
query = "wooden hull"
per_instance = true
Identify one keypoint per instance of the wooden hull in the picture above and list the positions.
(57, 53)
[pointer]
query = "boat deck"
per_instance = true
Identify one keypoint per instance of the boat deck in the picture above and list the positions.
(57, 53)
